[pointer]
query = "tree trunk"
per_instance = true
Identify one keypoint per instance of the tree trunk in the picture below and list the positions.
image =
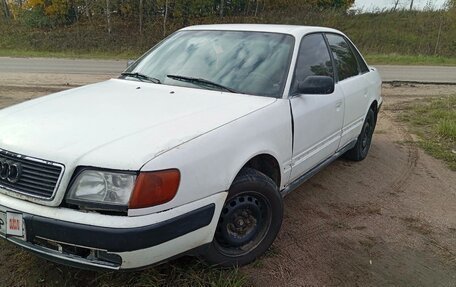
(87, 10)
(411, 4)
(165, 18)
(396, 3)
(6, 10)
(186, 12)
(257, 6)
(141, 15)
(222, 7)
(108, 16)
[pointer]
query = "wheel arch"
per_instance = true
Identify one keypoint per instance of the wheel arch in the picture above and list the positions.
(266, 164)
(374, 107)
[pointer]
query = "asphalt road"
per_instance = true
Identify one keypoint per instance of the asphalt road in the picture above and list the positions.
(61, 66)
(428, 74)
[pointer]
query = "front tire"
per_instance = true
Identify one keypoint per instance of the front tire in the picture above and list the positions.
(249, 222)
(361, 149)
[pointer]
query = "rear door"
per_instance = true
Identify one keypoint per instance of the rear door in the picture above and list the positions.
(317, 119)
(353, 83)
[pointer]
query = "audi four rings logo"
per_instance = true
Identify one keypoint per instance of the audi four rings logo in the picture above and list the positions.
(10, 170)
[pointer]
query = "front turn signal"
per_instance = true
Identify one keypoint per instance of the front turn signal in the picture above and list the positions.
(154, 188)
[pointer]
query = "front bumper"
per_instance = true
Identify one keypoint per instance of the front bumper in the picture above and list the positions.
(118, 242)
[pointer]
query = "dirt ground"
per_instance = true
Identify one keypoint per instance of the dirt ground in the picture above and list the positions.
(387, 221)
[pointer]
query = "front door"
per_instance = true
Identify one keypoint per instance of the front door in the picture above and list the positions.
(318, 119)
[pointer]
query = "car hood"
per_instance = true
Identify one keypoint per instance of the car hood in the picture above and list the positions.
(118, 124)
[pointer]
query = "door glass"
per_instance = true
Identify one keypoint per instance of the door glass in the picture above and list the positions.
(345, 59)
(313, 59)
(362, 65)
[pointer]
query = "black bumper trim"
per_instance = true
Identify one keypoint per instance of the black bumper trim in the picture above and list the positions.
(118, 239)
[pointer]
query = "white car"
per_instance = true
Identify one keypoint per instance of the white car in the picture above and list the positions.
(190, 151)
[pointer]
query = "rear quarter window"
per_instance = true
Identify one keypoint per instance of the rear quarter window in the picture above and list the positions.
(361, 63)
(345, 59)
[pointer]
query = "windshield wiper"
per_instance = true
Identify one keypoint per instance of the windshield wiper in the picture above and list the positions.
(201, 82)
(142, 77)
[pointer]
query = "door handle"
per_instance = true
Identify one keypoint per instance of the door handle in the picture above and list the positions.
(338, 104)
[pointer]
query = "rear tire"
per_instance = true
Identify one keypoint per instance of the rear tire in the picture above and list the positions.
(249, 222)
(361, 149)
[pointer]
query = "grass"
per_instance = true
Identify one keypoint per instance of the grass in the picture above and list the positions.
(386, 37)
(181, 274)
(68, 54)
(20, 268)
(434, 121)
(396, 59)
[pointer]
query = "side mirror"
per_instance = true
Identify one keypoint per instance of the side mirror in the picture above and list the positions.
(316, 85)
(130, 62)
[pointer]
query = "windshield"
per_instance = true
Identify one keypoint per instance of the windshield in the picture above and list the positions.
(254, 63)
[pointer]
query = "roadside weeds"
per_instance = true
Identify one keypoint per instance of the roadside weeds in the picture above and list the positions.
(434, 122)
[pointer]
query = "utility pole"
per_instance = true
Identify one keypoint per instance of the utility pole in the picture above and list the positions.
(439, 35)
(411, 5)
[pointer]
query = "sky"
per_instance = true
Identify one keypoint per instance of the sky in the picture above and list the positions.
(370, 5)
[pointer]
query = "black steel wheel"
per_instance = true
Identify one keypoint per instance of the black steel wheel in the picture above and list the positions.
(361, 149)
(249, 221)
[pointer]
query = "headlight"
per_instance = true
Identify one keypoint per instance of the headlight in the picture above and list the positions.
(93, 188)
(107, 190)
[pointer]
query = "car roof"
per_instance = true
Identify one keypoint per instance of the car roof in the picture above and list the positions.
(284, 29)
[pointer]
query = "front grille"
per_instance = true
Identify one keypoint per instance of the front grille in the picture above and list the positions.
(37, 178)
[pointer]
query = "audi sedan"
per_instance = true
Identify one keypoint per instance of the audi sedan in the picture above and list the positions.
(190, 151)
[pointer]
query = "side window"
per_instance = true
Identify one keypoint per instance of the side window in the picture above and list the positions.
(362, 65)
(346, 63)
(313, 59)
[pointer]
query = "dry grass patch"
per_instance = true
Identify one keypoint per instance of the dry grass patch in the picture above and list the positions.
(434, 121)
